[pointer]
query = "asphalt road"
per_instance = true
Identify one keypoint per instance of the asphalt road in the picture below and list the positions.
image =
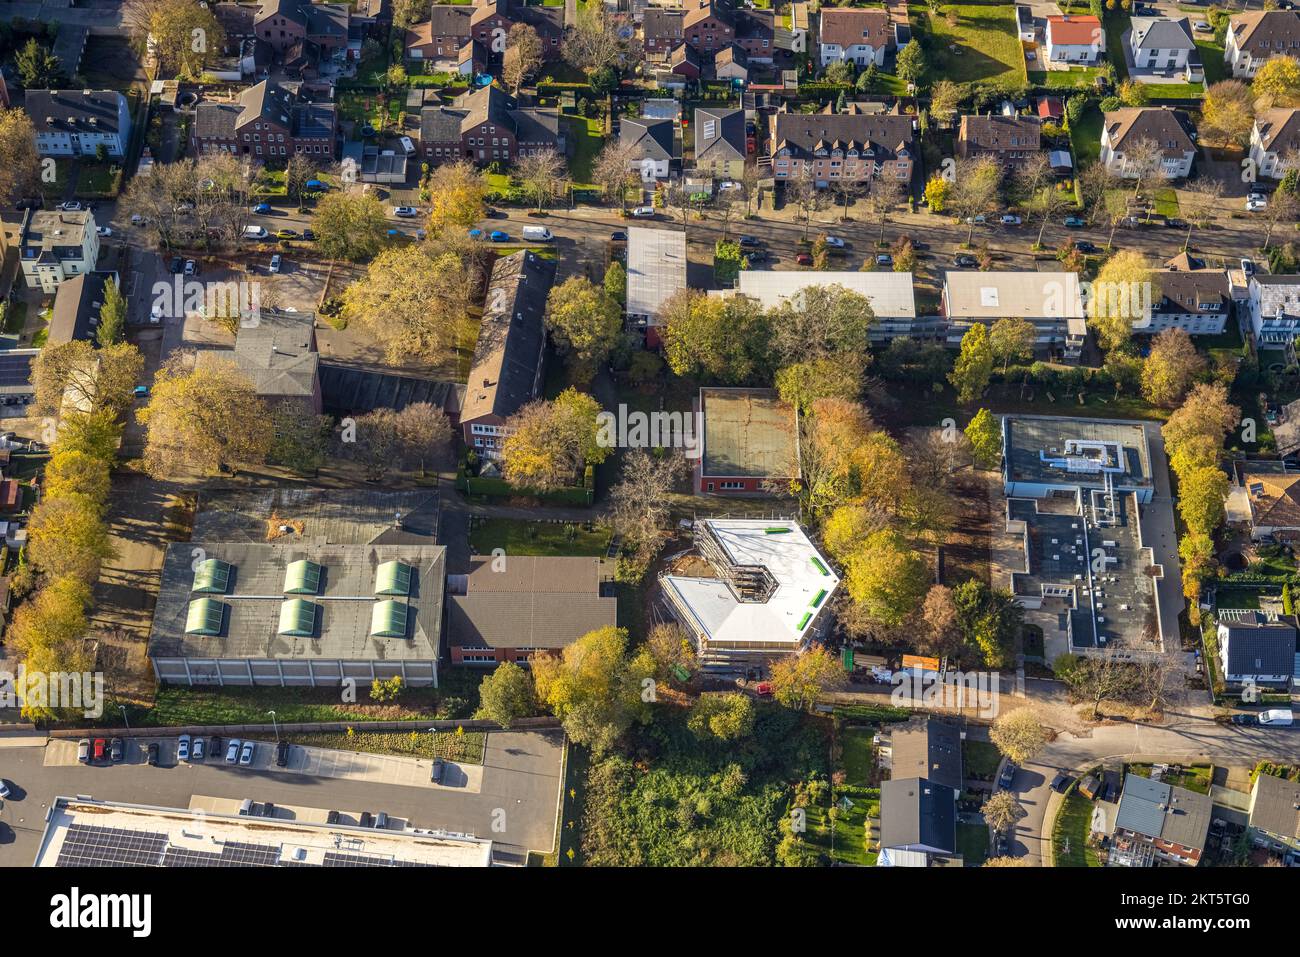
(516, 806)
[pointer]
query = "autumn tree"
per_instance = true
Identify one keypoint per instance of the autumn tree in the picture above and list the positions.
(506, 695)
(181, 37)
(584, 322)
(1019, 735)
(67, 536)
(887, 577)
(641, 502)
(671, 649)
(541, 175)
(594, 687)
(48, 633)
(74, 375)
(985, 434)
(38, 67)
(726, 716)
(1201, 494)
(1124, 292)
(203, 416)
(1228, 112)
(19, 162)
(416, 305)
(1277, 82)
(458, 200)
(829, 377)
(1012, 340)
(74, 471)
(547, 444)
(301, 439)
(349, 225)
(722, 339)
(1195, 431)
(523, 56)
(1001, 810)
(974, 366)
(799, 680)
(990, 620)
(1170, 368)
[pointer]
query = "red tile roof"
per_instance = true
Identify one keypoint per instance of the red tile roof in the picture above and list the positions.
(1075, 31)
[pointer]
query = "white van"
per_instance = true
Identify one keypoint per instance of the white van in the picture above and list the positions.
(254, 232)
(537, 234)
(407, 146)
(1280, 718)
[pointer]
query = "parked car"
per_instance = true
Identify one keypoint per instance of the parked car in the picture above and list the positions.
(198, 749)
(232, 751)
(803, 259)
(183, 748)
(835, 242)
(729, 184)
(749, 242)
(104, 230)
(282, 754)
(332, 817)
(439, 766)
(381, 820)
(965, 262)
(176, 265)
(498, 236)
(286, 234)
(1074, 222)
(275, 263)
(246, 753)
(884, 259)
(141, 392)
(255, 232)
(317, 184)
(1009, 219)
(977, 220)
(1062, 782)
(1085, 247)
(308, 236)
(476, 234)
(618, 236)
(1201, 26)
(100, 748)
(644, 212)
(1249, 720)
(405, 212)
(153, 754)
(757, 256)
(214, 747)
(1277, 717)
(83, 750)
(71, 206)
(191, 267)
(116, 750)
(262, 209)
(1248, 267)
(367, 819)
(1008, 775)
(1256, 203)
(763, 689)
(4, 788)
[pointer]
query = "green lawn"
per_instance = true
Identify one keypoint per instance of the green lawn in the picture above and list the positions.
(973, 843)
(859, 755)
(537, 538)
(1236, 598)
(98, 180)
(1073, 823)
(588, 138)
(850, 826)
(980, 758)
(1085, 136)
(15, 317)
(1212, 60)
(982, 45)
(463, 748)
(1197, 777)
(1076, 78)
(1166, 201)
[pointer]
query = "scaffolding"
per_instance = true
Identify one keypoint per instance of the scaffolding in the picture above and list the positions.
(748, 583)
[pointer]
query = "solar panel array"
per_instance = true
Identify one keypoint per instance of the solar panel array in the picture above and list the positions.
(15, 372)
(87, 845)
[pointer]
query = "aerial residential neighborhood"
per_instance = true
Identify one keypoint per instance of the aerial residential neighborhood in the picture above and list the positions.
(651, 433)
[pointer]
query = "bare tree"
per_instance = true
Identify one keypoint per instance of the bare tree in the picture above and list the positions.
(641, 502)
(885, 194)
(1283, 206)
(1200, 202)
(541, 173)
(523, 55)
(975, 191)
(613, 171)
(803, 192)
(1142, 160)
(848, 190)
(594, 42)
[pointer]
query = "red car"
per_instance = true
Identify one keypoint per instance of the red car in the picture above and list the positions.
(803, 259)
(763, 689)
(100, 747)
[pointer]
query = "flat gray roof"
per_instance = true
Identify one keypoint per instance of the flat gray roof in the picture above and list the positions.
(748, 433)
(312, 516)
(656, 269)
(1055, 450)
(251, 604)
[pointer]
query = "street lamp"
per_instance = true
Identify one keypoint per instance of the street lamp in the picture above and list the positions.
(125, 720)
(275, 725)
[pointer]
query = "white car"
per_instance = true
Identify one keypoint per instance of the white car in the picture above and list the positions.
(405, 212)
(275, 263)
(232, 751)
(729, 184)
(1248, 267)
(644, 212)
(183, 748)
(1255, 203)
(4, 788)
(246, 753)
(835, 241)
(1010, 220)
(254, 232)
(104, 230)
(156, 313)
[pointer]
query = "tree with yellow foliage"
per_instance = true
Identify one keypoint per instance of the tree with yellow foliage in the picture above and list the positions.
(458, 199)
(1277, 82)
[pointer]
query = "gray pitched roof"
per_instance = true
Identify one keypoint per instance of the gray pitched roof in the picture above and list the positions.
(216, 120)
(653, 139)
(1257, 644)
(1187, 292)
(1275, 805)
(1165, 127)
(930, 748)
(719, 135)
(885, 134)
(1158, 810)
(267, 101)
(76, 304)
(440, 124)
(534, 602)
(74, 110)
(510, 338)
(916, 811)
(662, 24)
(450, 20)
(1161, 33)
(278, 354)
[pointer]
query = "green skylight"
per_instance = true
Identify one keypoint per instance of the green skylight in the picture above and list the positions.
(212, 576)
(204, 617)
(388, 619)
(298, 618)
(302, 578)
(393, 578)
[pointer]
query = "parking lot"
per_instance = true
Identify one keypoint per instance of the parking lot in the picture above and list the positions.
(513, 802)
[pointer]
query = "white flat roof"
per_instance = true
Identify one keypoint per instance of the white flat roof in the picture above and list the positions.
(1024, 295)
(788, 556)
(656, 269)
(187, 838)
(890, 293)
